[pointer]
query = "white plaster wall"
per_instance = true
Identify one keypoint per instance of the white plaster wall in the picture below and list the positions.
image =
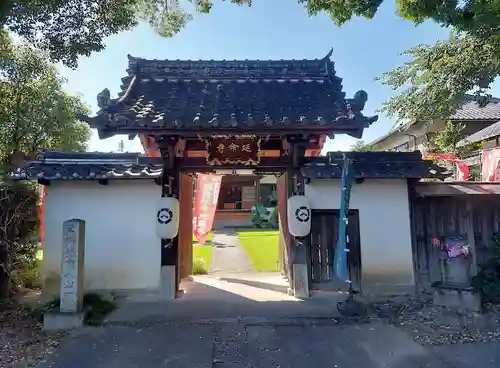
(121, 250)
(399, 138)
(385, 236)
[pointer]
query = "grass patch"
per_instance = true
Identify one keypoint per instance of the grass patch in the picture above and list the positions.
(262, 247)
(202, 259)
(208, 239)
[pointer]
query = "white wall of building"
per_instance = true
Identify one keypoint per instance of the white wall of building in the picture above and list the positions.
(121, 250)
(385, 236)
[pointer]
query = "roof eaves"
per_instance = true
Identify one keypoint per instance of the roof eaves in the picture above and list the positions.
(489, 132)
(386, 136)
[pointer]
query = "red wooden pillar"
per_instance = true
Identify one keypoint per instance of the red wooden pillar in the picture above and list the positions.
(285, 249)
(186, 226)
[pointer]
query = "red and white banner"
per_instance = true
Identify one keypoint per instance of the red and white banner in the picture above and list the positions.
(491, 165)
(462, 167)
(205, 204)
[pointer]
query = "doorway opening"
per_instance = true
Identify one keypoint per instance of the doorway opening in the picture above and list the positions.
(242, 247)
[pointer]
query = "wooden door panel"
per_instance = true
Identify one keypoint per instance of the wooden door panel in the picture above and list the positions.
(323, 242)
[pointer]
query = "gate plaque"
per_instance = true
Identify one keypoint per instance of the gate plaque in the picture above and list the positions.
(239, 149)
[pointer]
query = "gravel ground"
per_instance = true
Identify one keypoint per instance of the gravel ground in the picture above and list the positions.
(434, 325)
(22, 341)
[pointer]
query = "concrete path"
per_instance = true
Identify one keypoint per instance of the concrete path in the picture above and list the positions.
(228, 255)
(247, 321)
(253, 296)
(246, 345)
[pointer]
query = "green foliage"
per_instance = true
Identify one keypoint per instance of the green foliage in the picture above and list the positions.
(18, 232)
(487, 280)
(361, 146)
(273, 197)
(259, 216)
(274, 219)
(35, 111)
(27, 267)
(447, 139)
(96, 307)
(474, 16)
(437, 77)
(199, 267)
(67, 29)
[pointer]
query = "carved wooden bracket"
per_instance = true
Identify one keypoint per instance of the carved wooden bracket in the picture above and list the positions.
(167, 150)
(285, 147)
(180, 147)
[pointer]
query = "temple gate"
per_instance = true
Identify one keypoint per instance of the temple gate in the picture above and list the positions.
(231, 117)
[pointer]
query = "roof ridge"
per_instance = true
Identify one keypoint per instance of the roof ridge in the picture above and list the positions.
(208, 61)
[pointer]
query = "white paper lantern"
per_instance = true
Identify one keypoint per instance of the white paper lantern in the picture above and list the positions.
(167, 217)
(299, 216)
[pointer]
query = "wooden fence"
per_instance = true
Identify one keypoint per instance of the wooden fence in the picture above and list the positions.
(440, 210)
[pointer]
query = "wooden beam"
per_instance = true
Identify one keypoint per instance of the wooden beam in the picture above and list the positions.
(266, 163)
(471, 239)
(273, 144)
(338, 128)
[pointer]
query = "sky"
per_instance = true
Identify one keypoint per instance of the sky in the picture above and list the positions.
(278, 29)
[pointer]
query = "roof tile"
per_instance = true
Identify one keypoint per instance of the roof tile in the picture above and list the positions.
(471, 110)
(174, 94)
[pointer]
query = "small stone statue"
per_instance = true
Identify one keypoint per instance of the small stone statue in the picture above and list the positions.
(356, 104)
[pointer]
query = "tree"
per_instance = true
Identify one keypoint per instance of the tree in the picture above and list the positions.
(446, 140)
(361, 146)
(18, 228)
(481, 17)
(35, 111)
(437, 78)
(67, 29)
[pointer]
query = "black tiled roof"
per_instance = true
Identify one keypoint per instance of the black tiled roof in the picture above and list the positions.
(374, 165)
(468, 110)
(489, 132)
(471, 110)
(54, 165)
(51, 165)
(182, 95)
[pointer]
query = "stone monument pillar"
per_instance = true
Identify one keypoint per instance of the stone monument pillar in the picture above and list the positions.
(70, 313)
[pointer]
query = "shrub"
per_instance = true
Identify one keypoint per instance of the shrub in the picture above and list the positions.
(18, 232)
(487, 280)
(96, 307)
(200, 267)
(274, 219)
